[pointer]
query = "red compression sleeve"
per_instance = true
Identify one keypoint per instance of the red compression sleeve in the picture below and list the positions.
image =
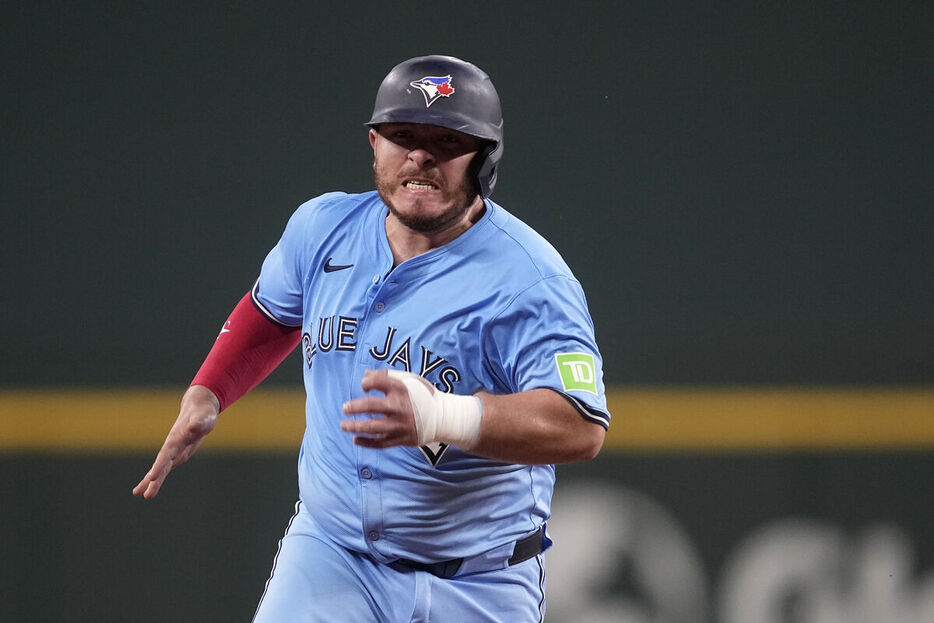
(249, 347)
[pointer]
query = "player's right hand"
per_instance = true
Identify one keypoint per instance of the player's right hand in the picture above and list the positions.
(196, 418)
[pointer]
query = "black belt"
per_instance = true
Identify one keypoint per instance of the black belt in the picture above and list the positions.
(525, 548)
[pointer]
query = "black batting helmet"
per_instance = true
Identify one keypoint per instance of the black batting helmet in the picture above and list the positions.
(450, 93)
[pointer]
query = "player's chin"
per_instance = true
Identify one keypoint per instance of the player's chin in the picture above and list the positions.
(426, 221)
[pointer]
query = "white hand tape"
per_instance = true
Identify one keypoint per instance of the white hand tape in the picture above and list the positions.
(449, 418)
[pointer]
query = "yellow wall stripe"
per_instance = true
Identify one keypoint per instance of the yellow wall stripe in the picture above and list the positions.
(772, 419)
(669, 419)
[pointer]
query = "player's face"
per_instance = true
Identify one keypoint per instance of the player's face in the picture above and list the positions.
(424, 174)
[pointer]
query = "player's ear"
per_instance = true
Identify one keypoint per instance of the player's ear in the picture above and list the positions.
(373, 139)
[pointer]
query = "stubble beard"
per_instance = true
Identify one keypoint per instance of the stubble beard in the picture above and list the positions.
(418, 219)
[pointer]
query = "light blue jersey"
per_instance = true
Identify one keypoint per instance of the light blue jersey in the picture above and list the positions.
(496, 309)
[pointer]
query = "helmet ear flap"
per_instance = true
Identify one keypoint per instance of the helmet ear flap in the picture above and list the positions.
(484, 168)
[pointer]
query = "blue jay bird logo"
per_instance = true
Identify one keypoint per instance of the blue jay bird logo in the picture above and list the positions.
(433, 87)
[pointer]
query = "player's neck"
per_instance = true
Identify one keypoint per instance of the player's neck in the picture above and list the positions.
(407, 243)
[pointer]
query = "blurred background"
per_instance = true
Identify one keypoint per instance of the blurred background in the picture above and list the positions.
(745, 192)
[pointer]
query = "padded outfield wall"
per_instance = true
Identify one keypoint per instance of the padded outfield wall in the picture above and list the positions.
(744, 193)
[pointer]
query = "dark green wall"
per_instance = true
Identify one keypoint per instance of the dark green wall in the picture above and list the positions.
(745, 192)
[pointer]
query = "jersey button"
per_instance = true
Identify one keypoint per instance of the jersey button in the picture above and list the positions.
(366, 473)
(373, 535)
(379, 307)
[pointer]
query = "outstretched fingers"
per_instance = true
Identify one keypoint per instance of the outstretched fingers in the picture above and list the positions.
(149, 486)
(174, 452)
(197, 417)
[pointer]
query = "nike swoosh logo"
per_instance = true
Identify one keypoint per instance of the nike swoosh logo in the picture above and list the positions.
(330, 268)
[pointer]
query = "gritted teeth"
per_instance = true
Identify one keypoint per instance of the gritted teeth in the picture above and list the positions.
(419, 185)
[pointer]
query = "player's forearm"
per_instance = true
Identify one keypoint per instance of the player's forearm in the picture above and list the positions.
(249, 347)
(202, 398)
(535, 427)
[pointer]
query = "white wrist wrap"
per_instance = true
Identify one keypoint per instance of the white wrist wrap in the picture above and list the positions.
(449, 418)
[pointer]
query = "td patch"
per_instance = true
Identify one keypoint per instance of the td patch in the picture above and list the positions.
(577, 371)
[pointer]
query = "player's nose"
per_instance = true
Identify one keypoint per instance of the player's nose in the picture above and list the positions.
(421, 156)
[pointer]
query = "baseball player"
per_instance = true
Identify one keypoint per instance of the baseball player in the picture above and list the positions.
(449, 362)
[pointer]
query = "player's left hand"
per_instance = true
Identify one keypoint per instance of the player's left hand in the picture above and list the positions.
(396, 427)
(196, 418)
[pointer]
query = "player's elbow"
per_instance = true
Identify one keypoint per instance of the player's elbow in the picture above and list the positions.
(590, 442)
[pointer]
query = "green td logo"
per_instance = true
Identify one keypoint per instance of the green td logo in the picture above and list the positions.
(577, 371)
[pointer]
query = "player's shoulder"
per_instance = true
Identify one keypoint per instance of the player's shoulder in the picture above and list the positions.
(524, 248)
(335, 206)
(329, 212)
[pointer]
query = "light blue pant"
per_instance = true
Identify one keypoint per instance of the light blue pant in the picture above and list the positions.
(314, 581)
